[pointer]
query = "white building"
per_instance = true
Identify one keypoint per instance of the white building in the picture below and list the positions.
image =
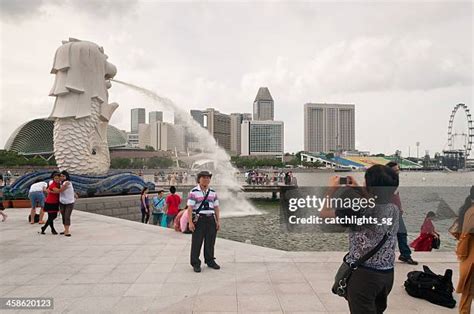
(166, 136)
(132, 139)
(329, 127)
(235, 131)
(144, 135)
(262, 138)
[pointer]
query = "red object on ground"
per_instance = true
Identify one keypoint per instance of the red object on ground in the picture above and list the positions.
(424, 243)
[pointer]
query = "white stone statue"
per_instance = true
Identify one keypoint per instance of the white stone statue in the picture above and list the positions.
(81, 110)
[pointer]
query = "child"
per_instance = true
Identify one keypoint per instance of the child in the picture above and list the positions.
(424, 242)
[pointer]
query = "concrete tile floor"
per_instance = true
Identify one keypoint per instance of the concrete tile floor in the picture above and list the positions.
(111, 265)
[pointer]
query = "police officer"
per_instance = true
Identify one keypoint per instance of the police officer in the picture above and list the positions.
(203, 207)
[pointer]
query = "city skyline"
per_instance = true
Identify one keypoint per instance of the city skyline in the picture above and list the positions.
(404, 73)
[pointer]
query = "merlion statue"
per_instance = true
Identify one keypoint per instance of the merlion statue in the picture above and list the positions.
(81, 110)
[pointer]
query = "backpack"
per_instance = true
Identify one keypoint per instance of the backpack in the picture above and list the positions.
(432, 287)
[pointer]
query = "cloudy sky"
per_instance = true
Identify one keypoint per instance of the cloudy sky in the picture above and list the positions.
(403, 64)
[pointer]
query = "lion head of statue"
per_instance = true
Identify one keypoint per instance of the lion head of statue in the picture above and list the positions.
(82, 75)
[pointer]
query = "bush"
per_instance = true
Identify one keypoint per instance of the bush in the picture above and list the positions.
(12, 159)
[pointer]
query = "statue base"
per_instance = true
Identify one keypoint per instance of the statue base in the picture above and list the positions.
(85, 186)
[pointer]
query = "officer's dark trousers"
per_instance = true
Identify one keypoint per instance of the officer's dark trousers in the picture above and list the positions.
(205, 231)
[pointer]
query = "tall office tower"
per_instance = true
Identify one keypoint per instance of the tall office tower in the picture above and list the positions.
(263, 105)
(173, 137)
(329, 127)
(262, 138)
(218, 124)
(144, 135)
(235, 131)
(155, 116)
(198, 115)
(138, 116)
(167, 137)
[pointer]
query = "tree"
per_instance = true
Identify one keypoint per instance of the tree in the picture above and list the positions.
(159, 162)
(120, 163)
(149, 148)
(13, 159)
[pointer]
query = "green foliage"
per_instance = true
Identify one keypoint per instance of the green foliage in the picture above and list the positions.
(139, 163)
(149, 148)
(159, 162)
(330, 155)
(120, 163)
(12, 159)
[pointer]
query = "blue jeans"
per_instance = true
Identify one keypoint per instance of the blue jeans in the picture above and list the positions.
(403, 245)
(169, 220)
(157, 218)
(36, 198)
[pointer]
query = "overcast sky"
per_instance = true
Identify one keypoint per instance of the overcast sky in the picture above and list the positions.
(403, 64)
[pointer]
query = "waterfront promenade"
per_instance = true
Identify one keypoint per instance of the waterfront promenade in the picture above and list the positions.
(110, 265)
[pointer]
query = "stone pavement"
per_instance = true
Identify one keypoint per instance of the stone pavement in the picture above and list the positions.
(110, 265)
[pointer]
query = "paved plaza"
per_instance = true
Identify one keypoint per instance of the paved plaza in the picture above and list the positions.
(111, 265)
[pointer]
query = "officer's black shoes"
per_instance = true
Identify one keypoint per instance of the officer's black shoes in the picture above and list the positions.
(213, 265)
(407, 260)
(197, 269)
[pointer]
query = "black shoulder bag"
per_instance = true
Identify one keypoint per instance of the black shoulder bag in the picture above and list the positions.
(345, 270)
(196, 214)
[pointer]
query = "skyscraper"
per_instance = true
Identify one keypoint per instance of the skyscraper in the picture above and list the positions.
(235, 130)
(144, 135)
(329, 127)
(138, 116)
(218, 125)
(155, 116)
(167, 137)
(198, 116)
(263, 105)
(262, 138)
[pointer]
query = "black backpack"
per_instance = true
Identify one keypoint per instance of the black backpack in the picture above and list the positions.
(432, 287)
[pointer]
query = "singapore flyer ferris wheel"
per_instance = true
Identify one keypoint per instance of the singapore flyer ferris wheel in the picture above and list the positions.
(467, 135)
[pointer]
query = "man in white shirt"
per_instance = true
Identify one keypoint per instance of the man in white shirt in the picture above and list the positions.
(36, 196)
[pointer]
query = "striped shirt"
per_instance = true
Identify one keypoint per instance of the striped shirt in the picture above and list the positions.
(196, 196)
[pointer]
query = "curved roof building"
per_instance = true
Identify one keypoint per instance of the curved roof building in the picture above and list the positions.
(35, 137)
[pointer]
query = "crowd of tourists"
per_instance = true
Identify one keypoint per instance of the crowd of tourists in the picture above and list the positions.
(366, 276)
(256, 177)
